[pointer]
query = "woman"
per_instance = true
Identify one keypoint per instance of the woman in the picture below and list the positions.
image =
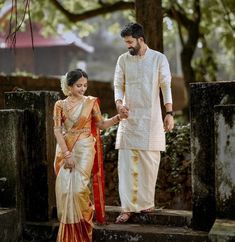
(77, 120)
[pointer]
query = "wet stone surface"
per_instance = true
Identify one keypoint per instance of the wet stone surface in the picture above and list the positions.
(225, 161)
(38, 177)
(204, 96)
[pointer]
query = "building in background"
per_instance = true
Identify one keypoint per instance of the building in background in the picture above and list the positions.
(53, 55)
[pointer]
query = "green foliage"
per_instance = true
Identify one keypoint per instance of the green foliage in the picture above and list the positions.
(178, 146)
(175, 169)
(205, 65)
(217, 25)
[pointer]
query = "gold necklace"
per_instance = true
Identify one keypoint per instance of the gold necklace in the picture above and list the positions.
(72, 103)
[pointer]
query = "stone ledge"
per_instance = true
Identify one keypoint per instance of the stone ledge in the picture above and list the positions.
(166, 217)
(47, 231)
(223, 231)
(146, 233)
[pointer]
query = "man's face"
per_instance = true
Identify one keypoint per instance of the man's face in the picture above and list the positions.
(132, 44)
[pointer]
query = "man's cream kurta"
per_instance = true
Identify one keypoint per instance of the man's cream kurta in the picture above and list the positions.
(137, 81)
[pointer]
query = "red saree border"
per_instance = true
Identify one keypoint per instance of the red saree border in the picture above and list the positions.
(98, 175)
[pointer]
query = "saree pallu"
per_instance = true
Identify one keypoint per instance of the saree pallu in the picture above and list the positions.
(74, 207)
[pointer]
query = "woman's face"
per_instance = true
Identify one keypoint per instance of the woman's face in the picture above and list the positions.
(79, 87)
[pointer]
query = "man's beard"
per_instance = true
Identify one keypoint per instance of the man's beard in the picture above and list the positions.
(134, 50)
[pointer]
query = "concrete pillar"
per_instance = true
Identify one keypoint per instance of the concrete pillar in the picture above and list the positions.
(225, 161)
(223, 229)
(12, 163)
(39, 177)
(204, 96)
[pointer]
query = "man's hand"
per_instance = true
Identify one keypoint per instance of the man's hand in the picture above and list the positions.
(122, 110)
(168, 123)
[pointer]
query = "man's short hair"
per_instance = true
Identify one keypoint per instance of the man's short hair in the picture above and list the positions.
(133, 29)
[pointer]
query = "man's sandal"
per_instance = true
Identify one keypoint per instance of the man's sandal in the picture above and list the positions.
(123, 217)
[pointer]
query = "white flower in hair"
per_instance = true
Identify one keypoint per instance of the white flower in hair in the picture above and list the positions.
(64, 85)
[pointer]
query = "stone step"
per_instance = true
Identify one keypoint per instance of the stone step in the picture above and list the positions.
(40, 231)
(167, 217)
(160, 225)
(47, 232)
(146, 233)
(9, 225)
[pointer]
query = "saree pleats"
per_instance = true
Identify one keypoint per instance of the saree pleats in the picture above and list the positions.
(78, 232)
(74, 207)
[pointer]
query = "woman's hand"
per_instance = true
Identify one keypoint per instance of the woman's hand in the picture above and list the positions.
(69, 163)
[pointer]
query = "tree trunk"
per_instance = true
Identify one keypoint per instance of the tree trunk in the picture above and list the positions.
(188, 72)
(149, 14)
(187, 54)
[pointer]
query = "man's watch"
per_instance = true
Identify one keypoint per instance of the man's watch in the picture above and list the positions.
(170, 113)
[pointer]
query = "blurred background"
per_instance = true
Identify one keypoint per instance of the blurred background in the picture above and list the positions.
(48, 38)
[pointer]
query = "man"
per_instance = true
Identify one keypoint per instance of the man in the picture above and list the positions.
(139, 75)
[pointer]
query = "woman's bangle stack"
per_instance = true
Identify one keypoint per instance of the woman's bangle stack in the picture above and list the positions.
(67, 154)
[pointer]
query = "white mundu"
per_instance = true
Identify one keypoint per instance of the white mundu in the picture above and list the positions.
(140, 137)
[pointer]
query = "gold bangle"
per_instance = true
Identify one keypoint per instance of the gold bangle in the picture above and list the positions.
(118, 118)
(113, 121)
(66, 153)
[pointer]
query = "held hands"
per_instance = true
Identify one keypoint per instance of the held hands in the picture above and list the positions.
(168, 123)
(123, 111)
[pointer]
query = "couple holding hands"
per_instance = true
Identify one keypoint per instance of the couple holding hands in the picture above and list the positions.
(139, 75)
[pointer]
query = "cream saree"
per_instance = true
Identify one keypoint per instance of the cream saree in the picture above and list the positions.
(74, 207)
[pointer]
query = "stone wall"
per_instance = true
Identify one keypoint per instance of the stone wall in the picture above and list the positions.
(103, 90)
(12, 162)
(38, 176)
(225, 161)
(224, 226)
(204, 97)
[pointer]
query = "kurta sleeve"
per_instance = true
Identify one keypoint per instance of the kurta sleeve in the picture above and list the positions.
(57, 115)
(119, 78)
(165, 80)
(96, 113)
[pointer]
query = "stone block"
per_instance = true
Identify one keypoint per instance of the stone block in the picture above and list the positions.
(225, 161)
(10, 226)
(39, 177)
(222, 231)
(204, 96)
(12, 160)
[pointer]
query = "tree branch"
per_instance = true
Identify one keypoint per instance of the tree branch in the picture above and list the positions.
(178, 16)
(227, 16)
(197, 10)
(180, 34)
(121, 5)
